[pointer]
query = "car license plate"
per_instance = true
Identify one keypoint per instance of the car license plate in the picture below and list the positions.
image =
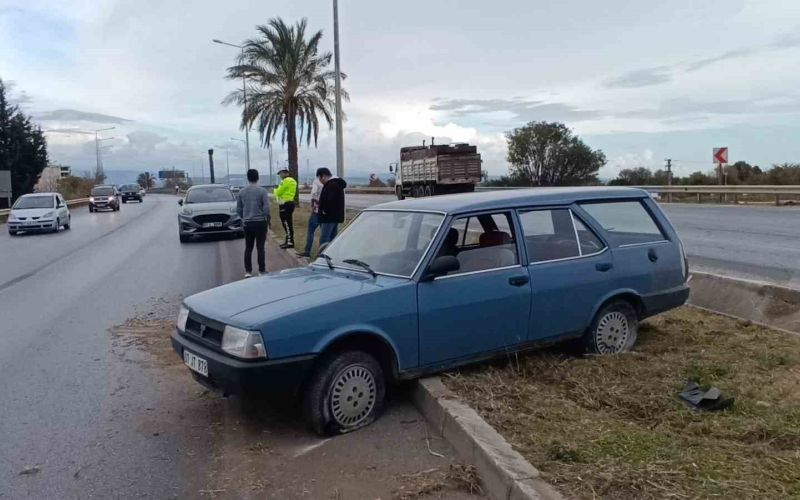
(212, 224)
(195, 363)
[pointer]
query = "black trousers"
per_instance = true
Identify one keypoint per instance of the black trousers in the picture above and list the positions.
(255, 232)
(285, 212)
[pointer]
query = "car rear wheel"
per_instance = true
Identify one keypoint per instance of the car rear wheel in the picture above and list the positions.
(346, 393)
(613, 330)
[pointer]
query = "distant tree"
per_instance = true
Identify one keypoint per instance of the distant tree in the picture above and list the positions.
(145, 180)
(783, 174)
(75, 186)
(660, 177)
(23, 147)
(548, 154)
(700, 179)
(633, 177)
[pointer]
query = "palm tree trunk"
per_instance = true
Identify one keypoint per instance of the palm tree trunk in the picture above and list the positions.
(291, 138)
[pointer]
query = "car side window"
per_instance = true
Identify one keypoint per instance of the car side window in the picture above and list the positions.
(625, 222)
(549, 234)
(589, 241)
(481, 242)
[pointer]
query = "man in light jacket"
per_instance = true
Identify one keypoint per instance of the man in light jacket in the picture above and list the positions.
(285, 194)
(313, 219)
(253, 207)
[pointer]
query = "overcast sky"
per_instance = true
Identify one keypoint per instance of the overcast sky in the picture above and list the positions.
(641, 80)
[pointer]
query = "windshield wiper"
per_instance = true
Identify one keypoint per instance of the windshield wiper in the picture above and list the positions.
(361, 264)
(327, 260)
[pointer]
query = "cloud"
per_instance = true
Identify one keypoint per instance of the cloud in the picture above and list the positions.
(72, 115)
(685, 107)
(731, 54)
(641, 78)
(517, 108)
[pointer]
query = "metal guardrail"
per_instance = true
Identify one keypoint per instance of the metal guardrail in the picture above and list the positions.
(70, 203)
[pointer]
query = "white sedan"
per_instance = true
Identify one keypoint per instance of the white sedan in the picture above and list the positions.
(38, 212)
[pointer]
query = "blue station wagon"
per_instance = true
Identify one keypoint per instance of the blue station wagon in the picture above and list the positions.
(419, 286)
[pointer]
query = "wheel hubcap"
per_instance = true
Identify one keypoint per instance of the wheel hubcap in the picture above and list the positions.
(612, 333)
(353, 396)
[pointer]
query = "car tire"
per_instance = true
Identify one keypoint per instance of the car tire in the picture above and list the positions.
(345, 393)
(91, 209)
(12, 233)
(614, 329)
(183, 238)
(125, 201)
(58, 225)
(69, 222)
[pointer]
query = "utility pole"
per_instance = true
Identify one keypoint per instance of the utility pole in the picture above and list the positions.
(271, 180)
(244, 99)
(339, 142)
(669, 178)
(227, 166)
(211, 164)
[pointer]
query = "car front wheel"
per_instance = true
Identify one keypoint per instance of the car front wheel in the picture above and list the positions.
(346, 393)
(69, 221)
(613, 330)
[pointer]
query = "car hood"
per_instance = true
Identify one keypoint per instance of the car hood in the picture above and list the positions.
(249, 303)
(31, 212)
(211, 208)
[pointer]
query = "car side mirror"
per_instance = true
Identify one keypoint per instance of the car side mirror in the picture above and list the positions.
(441, 266)
(180, 202)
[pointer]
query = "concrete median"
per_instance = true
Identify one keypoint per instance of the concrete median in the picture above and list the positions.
(763, 303)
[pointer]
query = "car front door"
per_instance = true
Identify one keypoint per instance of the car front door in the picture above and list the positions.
(63, 212)
(570, 269)
(482, 307)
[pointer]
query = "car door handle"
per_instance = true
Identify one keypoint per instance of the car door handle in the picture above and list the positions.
(652, 255)
(603, 266)
(518, 280)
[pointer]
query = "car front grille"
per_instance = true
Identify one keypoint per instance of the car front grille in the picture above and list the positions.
(209, 332)
(205, 218)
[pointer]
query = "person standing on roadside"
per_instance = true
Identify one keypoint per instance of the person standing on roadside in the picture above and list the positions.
(313, 219)
(253, 207)
(331, 204)
(285, 194)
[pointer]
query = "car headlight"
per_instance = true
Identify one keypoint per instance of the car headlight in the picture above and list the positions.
(243, 343)
(183, 316)
(91, 198)
(47, 215)
(11, 216)
(187, 211)
(233, 210)
(110, 198)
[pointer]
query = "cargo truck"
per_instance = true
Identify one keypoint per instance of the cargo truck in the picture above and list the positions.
(437, 169)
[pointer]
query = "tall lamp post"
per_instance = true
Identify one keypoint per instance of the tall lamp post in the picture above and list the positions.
(244, 95)
(339, 146)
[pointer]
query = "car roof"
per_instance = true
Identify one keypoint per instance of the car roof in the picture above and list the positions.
(509, 198)
(223, 186)
(33, 195)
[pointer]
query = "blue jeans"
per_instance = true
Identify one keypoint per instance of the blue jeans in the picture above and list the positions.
(313, 224)
(328, 232)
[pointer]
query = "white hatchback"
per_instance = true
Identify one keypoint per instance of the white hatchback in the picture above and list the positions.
(38, 212)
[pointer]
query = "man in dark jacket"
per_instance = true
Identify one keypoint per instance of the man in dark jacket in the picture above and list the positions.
(331, 204)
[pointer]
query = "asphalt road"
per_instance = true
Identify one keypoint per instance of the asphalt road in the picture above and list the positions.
(93, 403)
(745, 241)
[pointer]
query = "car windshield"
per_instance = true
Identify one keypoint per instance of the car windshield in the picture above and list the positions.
(130, 187)
(208, 195)
(34, 202)
(389, 242)
(103, 191)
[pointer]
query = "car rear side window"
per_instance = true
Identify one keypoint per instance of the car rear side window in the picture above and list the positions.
(549, 235)
(625, 222)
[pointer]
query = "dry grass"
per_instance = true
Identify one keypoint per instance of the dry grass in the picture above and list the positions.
(428, 483)
(612, 427)
(300, 218)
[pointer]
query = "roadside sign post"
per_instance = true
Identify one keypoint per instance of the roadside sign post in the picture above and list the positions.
(720, 157)
(5, 188)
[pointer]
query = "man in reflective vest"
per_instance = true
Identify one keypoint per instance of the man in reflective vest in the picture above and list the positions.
(285, 194)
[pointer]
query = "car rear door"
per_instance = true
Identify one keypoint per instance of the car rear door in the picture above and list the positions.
(569, 268)
(482, 308)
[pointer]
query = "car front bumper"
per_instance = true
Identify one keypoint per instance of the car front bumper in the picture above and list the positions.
(187, 226)
(246, 378)
(28, 225)
(127, 197)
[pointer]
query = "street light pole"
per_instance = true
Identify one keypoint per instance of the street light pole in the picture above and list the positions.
(244, 96)
(339, 146)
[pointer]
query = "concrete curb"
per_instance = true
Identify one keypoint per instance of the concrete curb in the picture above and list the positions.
(762, 303)
(505, 474)
(290, 253)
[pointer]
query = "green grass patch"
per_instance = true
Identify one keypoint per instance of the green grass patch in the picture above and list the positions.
(612, 426)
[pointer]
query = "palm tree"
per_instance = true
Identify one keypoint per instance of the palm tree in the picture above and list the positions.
(288, 85)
